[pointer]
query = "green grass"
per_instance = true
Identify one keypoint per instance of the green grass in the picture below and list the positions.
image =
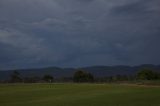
(78, 95)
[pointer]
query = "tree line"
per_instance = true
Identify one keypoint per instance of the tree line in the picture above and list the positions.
(81, 76)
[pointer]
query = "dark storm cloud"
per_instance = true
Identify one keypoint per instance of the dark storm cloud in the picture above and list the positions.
(78, 32)
(134, 8)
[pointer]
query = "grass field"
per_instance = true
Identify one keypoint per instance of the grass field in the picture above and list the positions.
(78, 95)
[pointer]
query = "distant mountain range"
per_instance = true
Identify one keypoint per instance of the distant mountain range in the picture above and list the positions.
(97, 71)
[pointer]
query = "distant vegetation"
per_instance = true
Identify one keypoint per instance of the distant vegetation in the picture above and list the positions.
(147, 74)
(82, 76)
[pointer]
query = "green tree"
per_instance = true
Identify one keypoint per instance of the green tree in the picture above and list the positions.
(15, 77)
(89, 77)
(82, 76)
(146, 74)
(48, 78)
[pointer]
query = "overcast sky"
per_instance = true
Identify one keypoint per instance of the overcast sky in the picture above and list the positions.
(75, 33)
